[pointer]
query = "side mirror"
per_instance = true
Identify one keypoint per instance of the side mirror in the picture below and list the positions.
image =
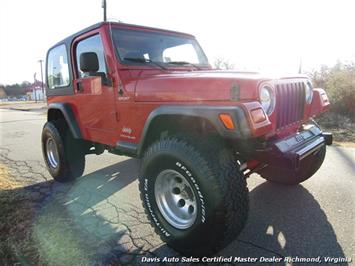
(89, 62)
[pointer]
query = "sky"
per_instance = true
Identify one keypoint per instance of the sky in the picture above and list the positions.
(270, 36)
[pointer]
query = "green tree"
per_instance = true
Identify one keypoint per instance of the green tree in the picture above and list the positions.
(339, 83)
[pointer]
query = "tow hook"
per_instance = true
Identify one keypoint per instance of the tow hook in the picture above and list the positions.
(254, 170)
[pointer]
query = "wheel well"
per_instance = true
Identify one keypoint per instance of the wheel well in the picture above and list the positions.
(177, 125)
(58, 111)
(55, 114)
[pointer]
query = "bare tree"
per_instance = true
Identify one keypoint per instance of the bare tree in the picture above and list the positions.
(222, 63)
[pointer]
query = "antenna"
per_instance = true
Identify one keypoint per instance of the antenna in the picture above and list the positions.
(104, 6)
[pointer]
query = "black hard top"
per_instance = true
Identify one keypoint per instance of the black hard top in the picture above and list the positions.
(69, 39)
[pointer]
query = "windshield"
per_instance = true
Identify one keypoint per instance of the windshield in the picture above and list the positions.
(141, 46)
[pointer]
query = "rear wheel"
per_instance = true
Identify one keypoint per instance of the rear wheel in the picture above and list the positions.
(308, 167)
(194, 195)
(64, 156)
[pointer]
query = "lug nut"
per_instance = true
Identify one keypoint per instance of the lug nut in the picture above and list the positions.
(181, 203)
(178, 179)
(191, 209)
(176, 190)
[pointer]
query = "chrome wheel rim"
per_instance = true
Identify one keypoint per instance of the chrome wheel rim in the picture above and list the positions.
(52, 153)
(176, 199)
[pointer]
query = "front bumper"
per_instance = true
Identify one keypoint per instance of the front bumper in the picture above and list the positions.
(290, 151)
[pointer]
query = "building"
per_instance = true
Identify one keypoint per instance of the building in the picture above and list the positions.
(34, 91)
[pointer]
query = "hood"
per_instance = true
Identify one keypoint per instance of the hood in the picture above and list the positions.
(198, 86)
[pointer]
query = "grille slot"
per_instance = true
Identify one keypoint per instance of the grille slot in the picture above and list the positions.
(290, 100)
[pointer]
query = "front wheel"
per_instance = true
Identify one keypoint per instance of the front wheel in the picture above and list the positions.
(195, 197)
(64, 156)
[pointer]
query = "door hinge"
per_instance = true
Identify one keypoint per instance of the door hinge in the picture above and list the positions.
(120, 88)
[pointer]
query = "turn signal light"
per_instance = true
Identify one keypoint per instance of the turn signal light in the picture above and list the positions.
(227, 121)
(258, 115)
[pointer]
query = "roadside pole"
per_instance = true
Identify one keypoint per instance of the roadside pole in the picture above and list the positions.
(34, 87)
(40, 62)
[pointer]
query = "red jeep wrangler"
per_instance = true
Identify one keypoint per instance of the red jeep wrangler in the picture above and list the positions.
(151, 93)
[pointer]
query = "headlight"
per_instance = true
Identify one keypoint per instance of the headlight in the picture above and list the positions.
(267, 99)
(309, 92)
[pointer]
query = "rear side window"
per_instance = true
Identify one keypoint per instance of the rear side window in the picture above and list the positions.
(57, 68)
(91, 44)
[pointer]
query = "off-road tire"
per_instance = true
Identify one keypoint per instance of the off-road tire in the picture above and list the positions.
(212, 171)
(71, 156)
(308, 167)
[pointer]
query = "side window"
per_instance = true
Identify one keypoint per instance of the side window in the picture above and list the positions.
(57, 68)
(91, 44)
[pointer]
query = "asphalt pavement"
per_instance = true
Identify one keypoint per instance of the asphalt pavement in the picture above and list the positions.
(99, 217)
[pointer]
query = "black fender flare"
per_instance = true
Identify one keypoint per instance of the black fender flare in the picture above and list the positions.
(68, 114)
(209, 113)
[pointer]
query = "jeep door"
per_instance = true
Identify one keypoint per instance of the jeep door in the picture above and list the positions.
(94, 92)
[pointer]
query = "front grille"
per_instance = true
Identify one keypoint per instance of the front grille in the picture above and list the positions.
(290, 101)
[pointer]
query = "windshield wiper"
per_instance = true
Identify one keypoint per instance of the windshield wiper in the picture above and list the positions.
(183, 63)
(144, 60)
